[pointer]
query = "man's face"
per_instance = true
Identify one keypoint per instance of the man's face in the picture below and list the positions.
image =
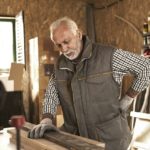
(68, 43)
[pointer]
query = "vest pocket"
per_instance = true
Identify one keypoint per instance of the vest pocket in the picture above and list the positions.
(111, 130)
(98, 78)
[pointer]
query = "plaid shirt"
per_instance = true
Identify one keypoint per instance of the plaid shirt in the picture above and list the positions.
(123, 63)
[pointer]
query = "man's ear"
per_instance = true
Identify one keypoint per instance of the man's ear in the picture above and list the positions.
(80, 34)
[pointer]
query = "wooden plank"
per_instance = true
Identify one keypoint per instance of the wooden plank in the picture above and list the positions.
(34, 144)
(69, 141)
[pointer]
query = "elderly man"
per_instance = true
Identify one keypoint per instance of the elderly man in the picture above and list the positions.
(86, 82)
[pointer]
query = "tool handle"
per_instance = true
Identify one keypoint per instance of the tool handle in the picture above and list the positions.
(17, 122)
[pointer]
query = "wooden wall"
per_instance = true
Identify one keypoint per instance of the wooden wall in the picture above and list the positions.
(38, 14)
(121, 25)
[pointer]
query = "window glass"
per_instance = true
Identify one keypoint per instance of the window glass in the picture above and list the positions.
(6, 44)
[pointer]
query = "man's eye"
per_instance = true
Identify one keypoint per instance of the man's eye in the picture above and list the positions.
(66, 42)
(58, 45)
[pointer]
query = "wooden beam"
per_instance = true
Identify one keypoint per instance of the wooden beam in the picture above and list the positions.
(34, 144)
(62, 139)
(90, 23)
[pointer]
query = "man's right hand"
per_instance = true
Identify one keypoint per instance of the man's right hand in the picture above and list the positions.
(38, 130)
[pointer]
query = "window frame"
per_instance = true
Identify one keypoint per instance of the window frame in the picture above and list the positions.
(18, 38)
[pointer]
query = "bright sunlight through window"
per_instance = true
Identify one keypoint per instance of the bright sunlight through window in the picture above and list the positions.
(6, 44)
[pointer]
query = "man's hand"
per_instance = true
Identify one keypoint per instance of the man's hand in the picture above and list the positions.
(125, 102)
(38, 130)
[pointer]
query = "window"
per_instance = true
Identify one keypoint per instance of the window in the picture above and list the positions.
(11, 41)
(7, 43)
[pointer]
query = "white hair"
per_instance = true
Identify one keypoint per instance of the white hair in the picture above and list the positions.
(65, 20)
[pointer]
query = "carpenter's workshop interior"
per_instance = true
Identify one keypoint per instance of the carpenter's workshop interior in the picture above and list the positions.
(74, 74)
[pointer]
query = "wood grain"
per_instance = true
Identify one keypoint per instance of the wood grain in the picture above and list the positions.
(56, 140)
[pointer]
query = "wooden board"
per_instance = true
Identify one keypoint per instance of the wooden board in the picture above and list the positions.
(34, 144)
(56, 141)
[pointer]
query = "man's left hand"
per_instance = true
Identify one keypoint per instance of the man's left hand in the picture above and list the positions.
(125, 102)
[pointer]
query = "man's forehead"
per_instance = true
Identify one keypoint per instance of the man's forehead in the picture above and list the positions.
(61, 27)
(62, 35)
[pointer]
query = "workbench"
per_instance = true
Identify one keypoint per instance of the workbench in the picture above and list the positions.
(54, 141)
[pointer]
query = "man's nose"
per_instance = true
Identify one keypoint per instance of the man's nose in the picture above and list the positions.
(64, 48)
